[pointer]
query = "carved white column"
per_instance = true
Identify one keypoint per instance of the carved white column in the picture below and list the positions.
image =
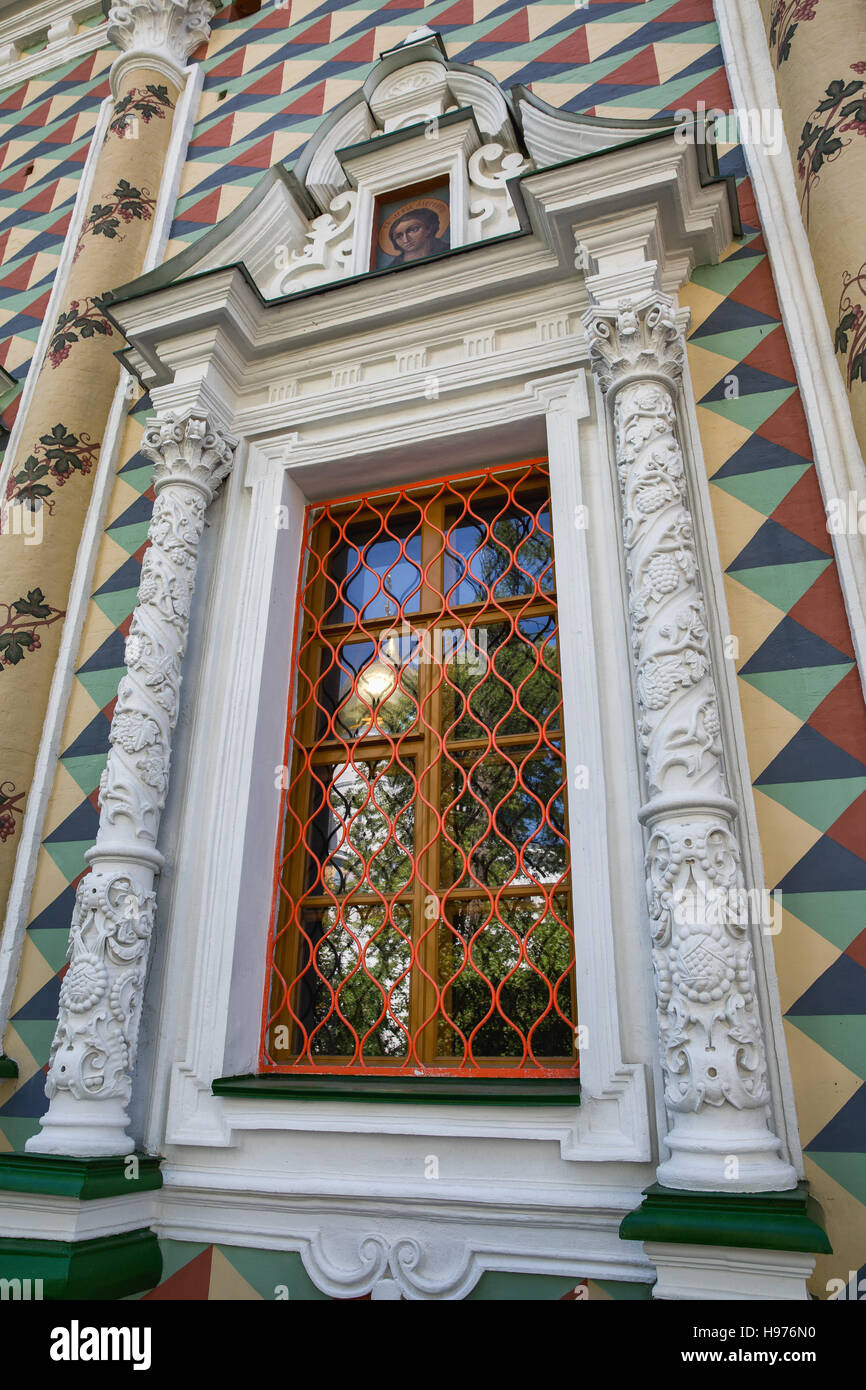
(711, 1038)
(158, 34)
(93, 1053)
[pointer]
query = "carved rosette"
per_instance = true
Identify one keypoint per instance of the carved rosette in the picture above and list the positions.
(174, 28)
(712, 1047)
(94, 1048)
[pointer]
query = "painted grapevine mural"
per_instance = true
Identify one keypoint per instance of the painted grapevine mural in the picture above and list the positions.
(831, 127)
(785, 18)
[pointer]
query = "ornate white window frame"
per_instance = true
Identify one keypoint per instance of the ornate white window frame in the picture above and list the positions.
(490, 365)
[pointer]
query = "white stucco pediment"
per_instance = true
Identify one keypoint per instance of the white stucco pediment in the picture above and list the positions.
(419, 121)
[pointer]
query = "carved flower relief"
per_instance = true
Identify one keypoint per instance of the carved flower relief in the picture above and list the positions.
(154, 771)
(84, 984)
(134, 924)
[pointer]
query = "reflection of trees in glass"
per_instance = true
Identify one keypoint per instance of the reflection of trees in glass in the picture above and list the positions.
(515, 556)
(512, 842)
(363, 831)
(361, 974)
(513, 688)
(475, 971)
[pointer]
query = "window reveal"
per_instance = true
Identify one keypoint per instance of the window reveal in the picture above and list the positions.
(422, 917)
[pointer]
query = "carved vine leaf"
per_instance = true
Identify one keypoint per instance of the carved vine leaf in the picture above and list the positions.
(59, 455)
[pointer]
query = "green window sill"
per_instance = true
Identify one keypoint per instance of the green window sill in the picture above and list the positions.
(418, 1090)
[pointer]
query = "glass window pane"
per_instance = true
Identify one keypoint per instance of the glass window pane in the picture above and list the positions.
(374, 570)
(502, 678)
(362, 828)
(503, 818)
(353, 986)
(500, 548)
(370, 688)
(505, 978)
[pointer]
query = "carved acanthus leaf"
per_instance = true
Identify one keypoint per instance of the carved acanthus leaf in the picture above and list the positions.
(172, 27)
(641, 337)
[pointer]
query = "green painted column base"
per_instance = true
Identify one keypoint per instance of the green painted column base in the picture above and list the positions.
(108, 1266)
(84, 1178)
(8, 1065)
(746, 1220)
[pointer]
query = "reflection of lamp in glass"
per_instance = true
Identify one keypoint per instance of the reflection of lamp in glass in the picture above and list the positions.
(374, 682)
(379, 678)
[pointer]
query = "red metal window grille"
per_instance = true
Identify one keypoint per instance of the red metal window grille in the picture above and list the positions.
(422, 890)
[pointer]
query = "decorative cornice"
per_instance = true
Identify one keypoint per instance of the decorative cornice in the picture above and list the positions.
(59, 24)
(160, 33)
(636, 338)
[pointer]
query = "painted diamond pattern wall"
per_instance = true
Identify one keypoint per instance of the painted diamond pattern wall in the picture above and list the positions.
(268, 80)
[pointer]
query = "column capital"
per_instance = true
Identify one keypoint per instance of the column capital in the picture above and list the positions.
(634, 338)
(189, 449)
(160, 34)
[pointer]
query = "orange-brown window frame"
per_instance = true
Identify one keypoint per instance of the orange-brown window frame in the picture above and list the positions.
(415, 756)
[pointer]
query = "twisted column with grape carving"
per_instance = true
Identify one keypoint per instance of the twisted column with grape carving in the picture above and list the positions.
(93, 1054)
(712, 1045)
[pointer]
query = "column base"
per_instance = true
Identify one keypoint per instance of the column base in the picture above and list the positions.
(8, 1066)
(82, 1128)
(729, 1273)
(741, 1245)
(78, 1228)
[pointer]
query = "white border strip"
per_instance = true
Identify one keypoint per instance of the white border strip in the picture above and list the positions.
(18, 904)
(838, 460)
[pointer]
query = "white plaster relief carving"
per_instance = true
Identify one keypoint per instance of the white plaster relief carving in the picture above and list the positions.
(169, 28)
(712, 1048)
(491, 210)
(410, 94)
(411, 360)
(94, 1048)
(479, 345)
(328, 253)
(93, 1052)
(342, 377)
